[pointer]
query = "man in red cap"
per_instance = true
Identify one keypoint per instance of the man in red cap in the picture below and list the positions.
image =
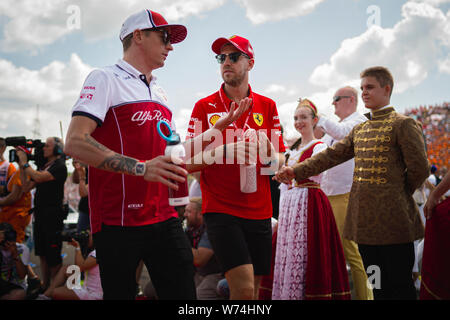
(238, 223)
(114, 130)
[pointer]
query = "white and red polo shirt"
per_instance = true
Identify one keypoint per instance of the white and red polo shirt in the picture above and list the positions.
(220, 182)
(126, 109)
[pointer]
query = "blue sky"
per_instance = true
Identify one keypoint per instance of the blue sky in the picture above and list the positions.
(303, 48)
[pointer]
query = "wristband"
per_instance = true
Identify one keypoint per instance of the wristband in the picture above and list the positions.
(26, 165)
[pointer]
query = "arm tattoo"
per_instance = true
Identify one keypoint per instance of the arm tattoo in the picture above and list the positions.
(118, 163)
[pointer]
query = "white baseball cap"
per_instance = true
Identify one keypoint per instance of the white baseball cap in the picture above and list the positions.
(147, 19)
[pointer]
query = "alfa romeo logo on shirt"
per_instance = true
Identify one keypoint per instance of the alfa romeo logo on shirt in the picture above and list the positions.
(259, 119)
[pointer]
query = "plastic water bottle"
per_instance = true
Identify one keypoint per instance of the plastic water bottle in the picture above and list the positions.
(248, 178)
(248, 171)
(176, 151)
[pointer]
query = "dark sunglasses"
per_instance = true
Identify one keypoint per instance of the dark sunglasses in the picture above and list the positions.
(164, 32)
(337, 98)
(234, 57)
(165, 36)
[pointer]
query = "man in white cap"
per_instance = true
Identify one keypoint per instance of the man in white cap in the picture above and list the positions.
(114, 130)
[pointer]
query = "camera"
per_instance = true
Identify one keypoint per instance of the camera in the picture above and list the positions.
(69, 234)
(81, 237)
(37, 156)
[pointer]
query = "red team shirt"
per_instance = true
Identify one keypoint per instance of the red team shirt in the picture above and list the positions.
(126, 110)
(220, 182)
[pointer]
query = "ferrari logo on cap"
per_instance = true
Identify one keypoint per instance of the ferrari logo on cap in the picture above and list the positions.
(258, 117)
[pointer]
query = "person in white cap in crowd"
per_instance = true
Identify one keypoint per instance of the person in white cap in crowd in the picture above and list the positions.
(114, 130)
(238, 223)
(337, 181)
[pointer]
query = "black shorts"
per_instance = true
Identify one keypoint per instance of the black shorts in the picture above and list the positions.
(238, 241)
(48, 225)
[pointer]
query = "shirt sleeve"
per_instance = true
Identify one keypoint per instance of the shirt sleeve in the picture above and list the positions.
(326, 159)
(197, 123)
(275, 135)
(412, 146)
(338, 130)
(58, 170)
(24, 253)
(94, 99)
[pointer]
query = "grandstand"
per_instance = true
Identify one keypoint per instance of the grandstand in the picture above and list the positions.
(435, 122)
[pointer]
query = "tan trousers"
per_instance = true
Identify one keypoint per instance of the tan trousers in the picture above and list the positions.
(339, 204)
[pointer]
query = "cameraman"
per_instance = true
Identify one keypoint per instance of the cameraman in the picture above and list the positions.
(14, 203)
(48, 205)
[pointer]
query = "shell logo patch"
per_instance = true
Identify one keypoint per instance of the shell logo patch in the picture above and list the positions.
(259, 119)
(213, 117)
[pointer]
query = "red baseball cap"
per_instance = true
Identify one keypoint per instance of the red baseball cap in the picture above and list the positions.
(238, 42)
(147, 19)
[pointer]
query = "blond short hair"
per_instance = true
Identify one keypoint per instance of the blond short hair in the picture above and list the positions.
(382, 74)
(197, 201)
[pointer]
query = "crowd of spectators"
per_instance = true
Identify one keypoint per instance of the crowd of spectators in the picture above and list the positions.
(436, 126)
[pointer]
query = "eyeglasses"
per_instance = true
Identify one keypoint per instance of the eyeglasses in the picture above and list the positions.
(337, 98)
(234, 57)
(164, 32)
(165, 36)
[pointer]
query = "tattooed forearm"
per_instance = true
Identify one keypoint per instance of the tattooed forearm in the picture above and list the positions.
(119, 163)
(95, 143)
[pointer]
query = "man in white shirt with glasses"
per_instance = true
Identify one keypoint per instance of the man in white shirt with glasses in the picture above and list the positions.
(337, 181)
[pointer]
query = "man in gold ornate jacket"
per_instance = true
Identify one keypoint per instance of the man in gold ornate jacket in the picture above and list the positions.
(390, 163)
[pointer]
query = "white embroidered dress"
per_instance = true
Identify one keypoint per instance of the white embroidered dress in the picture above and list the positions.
(291, 251)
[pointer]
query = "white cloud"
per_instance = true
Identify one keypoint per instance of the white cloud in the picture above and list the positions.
(54, 88)
(33, 24)
(280, 92)
(261, 11)
(433, 2)
(51, 84)
(410, 49)
(444, 65)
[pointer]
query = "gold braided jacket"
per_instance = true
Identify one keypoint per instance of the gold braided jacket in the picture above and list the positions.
(390, 163)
